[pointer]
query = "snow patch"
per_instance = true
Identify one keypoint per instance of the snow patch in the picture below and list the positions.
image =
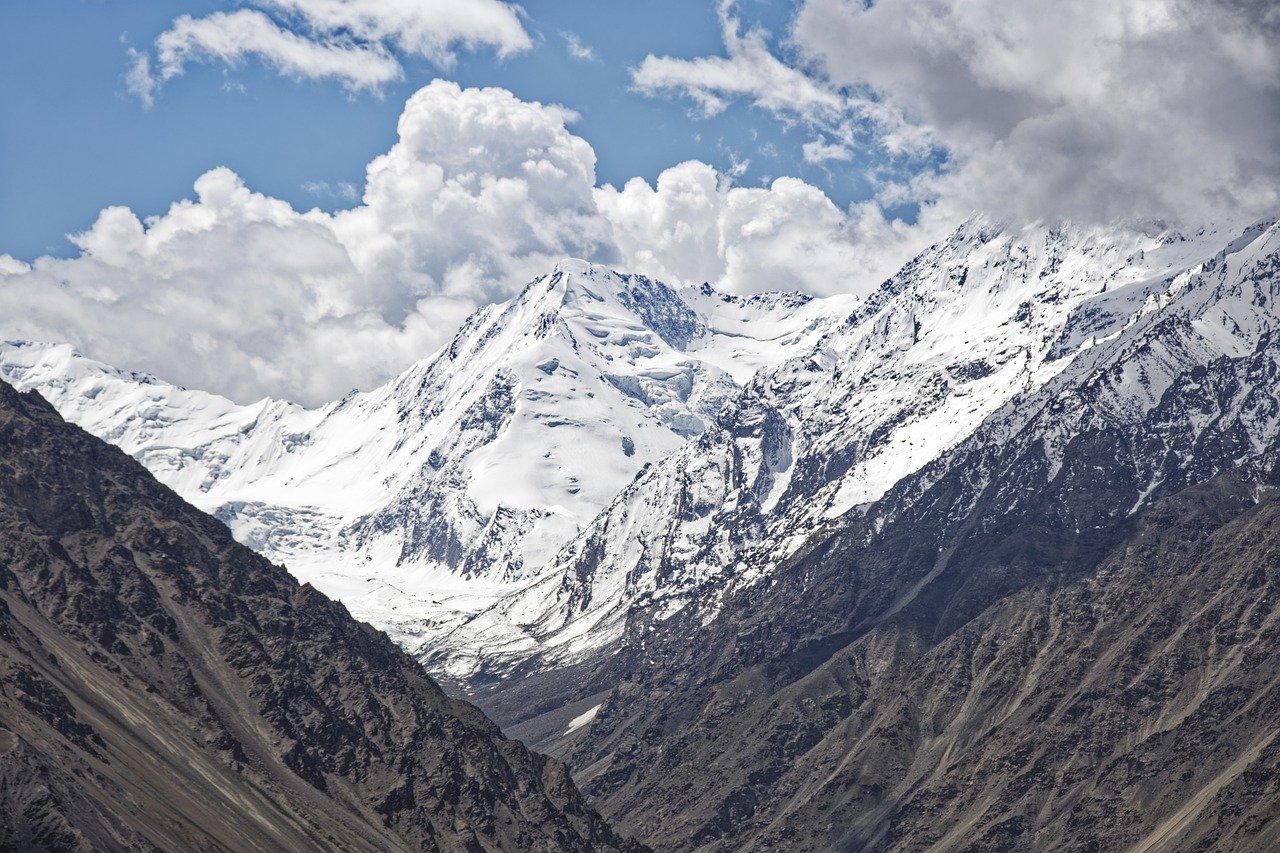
(581, 720)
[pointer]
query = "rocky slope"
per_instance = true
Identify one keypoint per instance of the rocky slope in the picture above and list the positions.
(163, 687)
(1051, 637)
(1132, 705)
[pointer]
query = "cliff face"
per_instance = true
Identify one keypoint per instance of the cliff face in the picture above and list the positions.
(164, 687)
(1134, 706)
(1058, 635)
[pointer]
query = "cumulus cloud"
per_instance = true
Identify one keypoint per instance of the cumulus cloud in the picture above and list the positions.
(694, 226)
(481, 192)
(10, 265)
(1094, 110)
(239, 293)
(212, 294)
(351, 41)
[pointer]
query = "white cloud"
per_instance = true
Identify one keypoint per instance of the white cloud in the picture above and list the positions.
(577, 49)
(1093, 110)
(481, 192)
(342, 190)
(10, 265)
(230, 37)
(239, 293)
(427, 28)
(213, 294)
(351, 41)
(694, 226)
(139, 80)
(750, 70)
(818, 151)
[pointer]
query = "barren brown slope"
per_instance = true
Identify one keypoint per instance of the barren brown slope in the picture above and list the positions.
(1137, 709)
(1134, 708)
(976, 663)
(163, 687)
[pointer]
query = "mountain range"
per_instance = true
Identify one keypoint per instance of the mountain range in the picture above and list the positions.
(425, 502)
(980, 561)
(1053, 636)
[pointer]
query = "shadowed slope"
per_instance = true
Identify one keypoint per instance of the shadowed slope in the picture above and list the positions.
(166, 687)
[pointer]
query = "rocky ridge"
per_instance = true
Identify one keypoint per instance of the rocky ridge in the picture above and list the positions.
(975, 325)
(1053, 635)
(164, 687)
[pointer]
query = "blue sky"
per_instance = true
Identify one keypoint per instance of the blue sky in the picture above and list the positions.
(73, 140)
(800, 145)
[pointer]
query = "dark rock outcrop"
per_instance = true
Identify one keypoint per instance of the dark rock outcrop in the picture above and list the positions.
(164, 687)
(1015, 665)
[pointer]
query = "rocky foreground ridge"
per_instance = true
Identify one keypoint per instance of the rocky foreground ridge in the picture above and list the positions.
(163, 687)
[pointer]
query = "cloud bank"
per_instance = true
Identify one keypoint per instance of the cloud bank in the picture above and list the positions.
(239, 293)
(1094, 110)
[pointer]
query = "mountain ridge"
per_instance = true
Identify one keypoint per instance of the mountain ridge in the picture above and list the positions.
(1047, 492)
(950, 465)
(421, 502)
(972, 325)
(486, 580)
(166, 687)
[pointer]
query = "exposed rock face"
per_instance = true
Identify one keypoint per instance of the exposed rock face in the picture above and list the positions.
(1055, 636)
(1132, 707)
(163, 687)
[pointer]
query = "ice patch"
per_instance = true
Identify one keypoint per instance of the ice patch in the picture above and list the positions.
(582, 720)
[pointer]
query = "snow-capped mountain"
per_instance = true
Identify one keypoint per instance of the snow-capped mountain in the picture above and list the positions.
(1060, 621)
(974, 323)
(604, 450)
(425, 501)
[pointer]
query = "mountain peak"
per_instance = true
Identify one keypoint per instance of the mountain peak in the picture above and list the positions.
(420, 502)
